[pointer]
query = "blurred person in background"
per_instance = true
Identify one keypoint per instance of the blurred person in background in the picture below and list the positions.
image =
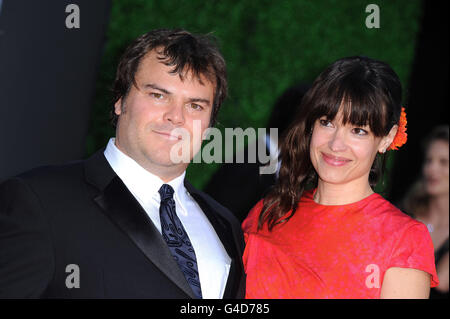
(428, 201)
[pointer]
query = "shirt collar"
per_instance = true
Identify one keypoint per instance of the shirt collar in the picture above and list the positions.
(141, 182)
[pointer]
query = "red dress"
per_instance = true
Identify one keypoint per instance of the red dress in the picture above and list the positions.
(333, 251)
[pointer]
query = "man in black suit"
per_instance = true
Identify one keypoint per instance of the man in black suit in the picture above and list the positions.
(125, 223)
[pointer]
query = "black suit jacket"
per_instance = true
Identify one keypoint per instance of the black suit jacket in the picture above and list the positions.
(83, 214)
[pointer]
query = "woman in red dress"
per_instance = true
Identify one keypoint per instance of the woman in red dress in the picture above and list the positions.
(322, 232)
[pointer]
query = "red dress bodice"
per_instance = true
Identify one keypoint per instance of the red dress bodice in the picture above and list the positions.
(333, 251)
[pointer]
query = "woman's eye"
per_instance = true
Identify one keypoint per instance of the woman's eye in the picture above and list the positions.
(324, 122)
(360, 131)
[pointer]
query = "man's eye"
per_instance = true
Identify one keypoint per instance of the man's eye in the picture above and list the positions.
(157, 96)
(196, 106)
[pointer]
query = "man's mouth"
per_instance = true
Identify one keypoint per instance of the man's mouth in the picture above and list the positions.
(168, 135)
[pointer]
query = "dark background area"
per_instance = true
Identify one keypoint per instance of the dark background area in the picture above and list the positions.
(55, 82)
(427, 103)
(47, 78)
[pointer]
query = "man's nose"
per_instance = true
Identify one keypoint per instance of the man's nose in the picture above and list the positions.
(175, 114)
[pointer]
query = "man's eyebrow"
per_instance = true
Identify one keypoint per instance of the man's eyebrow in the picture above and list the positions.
(155, 87)
(194, 99)
(206, 101)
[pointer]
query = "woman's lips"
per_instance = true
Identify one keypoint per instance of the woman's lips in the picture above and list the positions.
(334, 160)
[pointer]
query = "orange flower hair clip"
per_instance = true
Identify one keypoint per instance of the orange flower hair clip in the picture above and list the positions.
(401, 137)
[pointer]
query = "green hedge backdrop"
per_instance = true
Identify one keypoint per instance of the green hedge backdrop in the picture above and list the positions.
(268, 46)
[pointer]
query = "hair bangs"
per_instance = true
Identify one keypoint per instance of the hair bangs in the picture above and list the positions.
(363, 109)
(358, 102)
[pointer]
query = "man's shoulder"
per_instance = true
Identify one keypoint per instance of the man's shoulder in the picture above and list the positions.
(53, 173)
(48, 177)
(67, 173)
(41, 186)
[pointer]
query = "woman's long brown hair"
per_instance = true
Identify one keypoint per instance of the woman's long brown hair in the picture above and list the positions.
(369, 93)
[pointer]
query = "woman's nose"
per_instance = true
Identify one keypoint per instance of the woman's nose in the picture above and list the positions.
(337, 142)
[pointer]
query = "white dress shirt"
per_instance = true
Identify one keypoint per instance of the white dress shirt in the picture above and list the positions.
(212, 259)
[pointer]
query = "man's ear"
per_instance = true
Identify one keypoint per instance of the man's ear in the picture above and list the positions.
(387, 140)
(118, 107)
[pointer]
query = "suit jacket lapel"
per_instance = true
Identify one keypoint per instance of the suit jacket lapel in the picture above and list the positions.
(224, 231)
(125, 211)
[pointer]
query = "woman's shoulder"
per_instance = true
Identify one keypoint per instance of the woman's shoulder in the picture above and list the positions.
(250, 224)
(392, 217)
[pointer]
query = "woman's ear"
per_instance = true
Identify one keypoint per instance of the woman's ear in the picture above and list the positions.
(387, 140)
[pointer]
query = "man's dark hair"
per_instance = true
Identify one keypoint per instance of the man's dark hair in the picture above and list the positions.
(184, 51)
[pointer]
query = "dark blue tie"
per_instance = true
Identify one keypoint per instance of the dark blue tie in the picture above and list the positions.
(177, 239)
